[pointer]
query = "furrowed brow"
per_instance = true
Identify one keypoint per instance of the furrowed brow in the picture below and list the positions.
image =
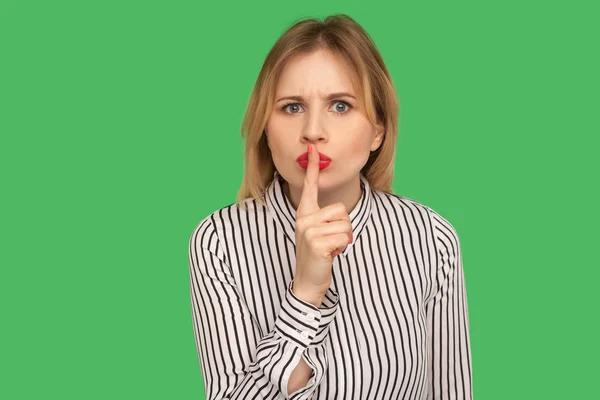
(330, 96)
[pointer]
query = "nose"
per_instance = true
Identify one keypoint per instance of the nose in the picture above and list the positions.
(314, 131)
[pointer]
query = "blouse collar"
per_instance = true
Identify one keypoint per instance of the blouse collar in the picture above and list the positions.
(284, 213)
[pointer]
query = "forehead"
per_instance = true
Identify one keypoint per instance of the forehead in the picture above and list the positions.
(315, 74)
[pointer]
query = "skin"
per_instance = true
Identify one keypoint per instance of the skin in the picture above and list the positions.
(342, 132)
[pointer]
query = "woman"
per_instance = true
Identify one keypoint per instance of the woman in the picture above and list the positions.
(319, 282)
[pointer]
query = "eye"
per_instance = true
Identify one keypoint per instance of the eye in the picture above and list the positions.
(289, 104)
(348, 107)
(344, 109)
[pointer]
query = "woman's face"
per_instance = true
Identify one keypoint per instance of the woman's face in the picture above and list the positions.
(336, 125)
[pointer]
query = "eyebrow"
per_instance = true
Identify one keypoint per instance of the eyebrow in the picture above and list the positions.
(330, 96)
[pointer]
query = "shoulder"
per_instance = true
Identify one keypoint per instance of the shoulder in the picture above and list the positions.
(409, 208)
(418, 211)
(229, 218)
(399, 200)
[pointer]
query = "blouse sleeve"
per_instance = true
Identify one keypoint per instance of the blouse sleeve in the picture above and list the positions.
(449, 355)
(236, 362)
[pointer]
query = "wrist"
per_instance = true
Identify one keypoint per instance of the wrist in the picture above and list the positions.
(307, 295)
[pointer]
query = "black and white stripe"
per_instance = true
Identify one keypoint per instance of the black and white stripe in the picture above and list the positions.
(394, 323)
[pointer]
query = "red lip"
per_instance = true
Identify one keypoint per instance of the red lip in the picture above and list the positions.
(322, 164)
(304, 156)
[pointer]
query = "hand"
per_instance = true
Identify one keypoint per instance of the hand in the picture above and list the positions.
(321, 234)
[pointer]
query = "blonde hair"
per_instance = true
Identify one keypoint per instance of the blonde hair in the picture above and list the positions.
(346, 40)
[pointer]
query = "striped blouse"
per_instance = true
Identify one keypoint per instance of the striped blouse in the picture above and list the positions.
(393, 325)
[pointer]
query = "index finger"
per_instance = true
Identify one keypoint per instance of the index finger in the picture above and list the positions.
(309, 202)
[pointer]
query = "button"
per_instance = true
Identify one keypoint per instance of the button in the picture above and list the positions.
(305, 334)
(310, 317)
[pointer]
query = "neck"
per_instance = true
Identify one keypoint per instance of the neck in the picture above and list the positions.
(347, 193)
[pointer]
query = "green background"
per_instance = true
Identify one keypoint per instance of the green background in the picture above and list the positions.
(120, 130)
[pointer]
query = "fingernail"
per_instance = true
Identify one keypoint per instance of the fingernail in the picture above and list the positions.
(309, 148)
(351, 238)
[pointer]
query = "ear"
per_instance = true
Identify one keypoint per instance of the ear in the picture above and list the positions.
(378, 138)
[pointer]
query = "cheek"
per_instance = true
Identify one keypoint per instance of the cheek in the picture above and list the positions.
(276, 136)
(277, 122)
(277, 145)
(274, 142)
(360, 145)
(358, 150)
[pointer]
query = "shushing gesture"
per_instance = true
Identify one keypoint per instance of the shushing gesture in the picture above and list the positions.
(321, 234)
